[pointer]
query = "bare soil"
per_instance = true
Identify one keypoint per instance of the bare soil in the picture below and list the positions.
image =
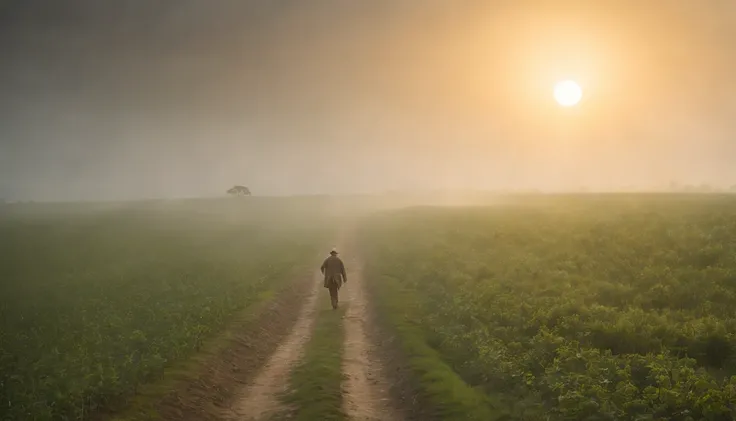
(225, 374)
(366, 388)
(259, 400)
(402, 388)
(244, 381)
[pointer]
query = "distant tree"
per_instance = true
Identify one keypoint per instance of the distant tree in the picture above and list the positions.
(239, 191)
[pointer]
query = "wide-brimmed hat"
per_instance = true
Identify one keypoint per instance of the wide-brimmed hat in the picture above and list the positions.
(333, 251)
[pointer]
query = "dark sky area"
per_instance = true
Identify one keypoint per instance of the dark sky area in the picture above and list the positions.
(126, 99)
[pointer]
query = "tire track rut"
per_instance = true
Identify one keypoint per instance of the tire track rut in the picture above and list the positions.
(366, 390)
(260, 399)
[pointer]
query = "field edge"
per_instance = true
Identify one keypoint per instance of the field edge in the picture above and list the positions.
(200, 385)
(424, 386)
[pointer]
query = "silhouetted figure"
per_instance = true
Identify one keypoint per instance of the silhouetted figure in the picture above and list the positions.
(334, 270)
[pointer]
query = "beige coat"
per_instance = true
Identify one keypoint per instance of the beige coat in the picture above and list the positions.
(334, 270)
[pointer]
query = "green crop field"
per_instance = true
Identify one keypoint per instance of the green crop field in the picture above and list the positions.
(611, 307)
(97, 299)
(596, 307)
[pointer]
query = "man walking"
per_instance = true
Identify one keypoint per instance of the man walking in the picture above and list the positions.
(334, 270)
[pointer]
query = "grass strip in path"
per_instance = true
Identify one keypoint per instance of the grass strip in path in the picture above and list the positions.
(440, 394)
(315, 392)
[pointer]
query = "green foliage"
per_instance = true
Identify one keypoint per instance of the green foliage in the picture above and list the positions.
(604, 308)
(436, 382)
(94, 303)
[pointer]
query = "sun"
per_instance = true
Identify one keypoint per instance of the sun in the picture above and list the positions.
(568, 93)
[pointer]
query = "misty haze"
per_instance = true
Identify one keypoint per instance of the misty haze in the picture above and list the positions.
(133, 99)
(410, 210)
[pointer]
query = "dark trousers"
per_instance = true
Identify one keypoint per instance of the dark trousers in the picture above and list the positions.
(333, 295)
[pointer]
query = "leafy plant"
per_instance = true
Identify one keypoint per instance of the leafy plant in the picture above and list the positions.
(600, 308)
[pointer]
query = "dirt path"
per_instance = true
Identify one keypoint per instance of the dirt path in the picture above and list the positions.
(365, 387)
(260, 399)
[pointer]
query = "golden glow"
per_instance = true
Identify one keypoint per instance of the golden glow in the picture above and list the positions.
(568, 93)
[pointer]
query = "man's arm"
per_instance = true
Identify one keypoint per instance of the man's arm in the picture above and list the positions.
(344, 273)
(322, 268)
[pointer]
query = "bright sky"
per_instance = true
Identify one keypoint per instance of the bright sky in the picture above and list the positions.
(170, 98)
